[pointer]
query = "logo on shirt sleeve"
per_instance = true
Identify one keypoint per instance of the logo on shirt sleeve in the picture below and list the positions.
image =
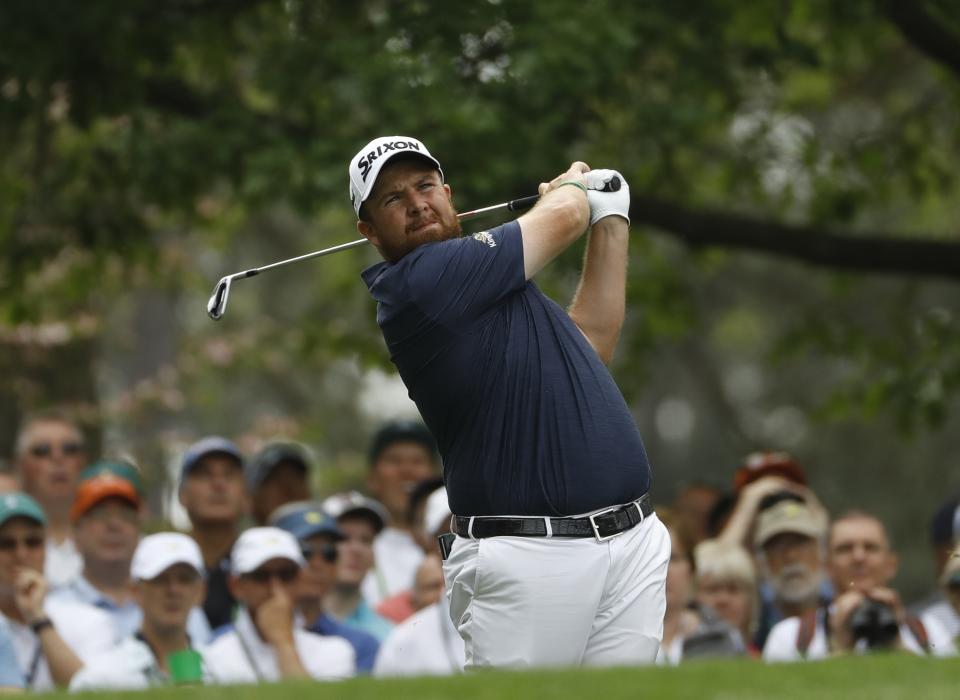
(485, 237)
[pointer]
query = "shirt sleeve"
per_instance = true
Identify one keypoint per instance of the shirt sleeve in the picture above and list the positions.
(459, 280)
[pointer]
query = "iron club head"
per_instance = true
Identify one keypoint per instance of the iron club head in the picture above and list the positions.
(218, 300)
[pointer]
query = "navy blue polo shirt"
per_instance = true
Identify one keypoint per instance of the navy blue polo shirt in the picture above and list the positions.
(527, 418)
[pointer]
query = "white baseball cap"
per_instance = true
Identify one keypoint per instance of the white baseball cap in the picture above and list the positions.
(437, 512)
(157, 553)
(261, 544)
(354, 502)
(369, 161)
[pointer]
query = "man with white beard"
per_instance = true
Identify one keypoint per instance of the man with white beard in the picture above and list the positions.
(789, 538)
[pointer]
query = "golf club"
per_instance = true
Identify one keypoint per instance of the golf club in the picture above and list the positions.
(217, 305)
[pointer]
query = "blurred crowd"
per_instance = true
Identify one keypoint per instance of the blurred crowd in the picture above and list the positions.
(273, 582)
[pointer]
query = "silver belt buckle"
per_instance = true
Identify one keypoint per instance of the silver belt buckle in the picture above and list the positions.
(596, 530)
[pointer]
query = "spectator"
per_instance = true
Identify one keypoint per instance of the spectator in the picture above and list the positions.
(51, 639)
(688, 631)
(950, 584)
(212, 493)
(106, 516)
(726, 582)
(50, 453)
(693, 506)
(944, 535)
(427, 643)
(765, 476)
(360, 519)
(318, 536)
(277, 475)
(789, 539)
(866, 614)
(402, 453)
(167, 575)
(399, 606)
(419, 512)
(264, 643)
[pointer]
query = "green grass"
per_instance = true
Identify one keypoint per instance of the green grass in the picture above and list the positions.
(876, 678)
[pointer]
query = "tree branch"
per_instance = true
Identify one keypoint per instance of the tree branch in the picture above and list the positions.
(861, 252)
(927, 34)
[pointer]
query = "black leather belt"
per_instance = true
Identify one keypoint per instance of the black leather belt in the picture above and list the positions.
(602, 526)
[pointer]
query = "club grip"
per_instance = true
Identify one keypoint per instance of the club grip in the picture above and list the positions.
(523, 203)
(613, 185)
(527, 202)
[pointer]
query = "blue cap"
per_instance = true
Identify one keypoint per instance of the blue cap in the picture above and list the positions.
(208, 446)
(20, 505)
(304, 519)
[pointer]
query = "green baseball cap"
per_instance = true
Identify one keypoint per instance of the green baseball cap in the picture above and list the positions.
(20, 505)
(119, 468)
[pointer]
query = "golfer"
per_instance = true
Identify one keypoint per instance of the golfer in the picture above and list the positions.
(559, 559)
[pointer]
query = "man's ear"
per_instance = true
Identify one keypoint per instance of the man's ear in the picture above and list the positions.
(201, 594)
(367, 231)
(892, 566)
(233, 585)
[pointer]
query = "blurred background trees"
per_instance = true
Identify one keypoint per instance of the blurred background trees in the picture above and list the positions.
(793, 165)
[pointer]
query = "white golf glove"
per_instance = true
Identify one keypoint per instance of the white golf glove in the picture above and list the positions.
(603, 204)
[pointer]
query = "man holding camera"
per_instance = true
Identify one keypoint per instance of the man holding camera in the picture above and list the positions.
(866, 613)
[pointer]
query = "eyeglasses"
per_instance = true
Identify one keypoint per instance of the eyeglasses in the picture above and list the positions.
(9, 544)
(45, 449)
(285, 575)
(328, 551)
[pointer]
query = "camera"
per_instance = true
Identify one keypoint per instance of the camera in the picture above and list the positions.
(875, 623)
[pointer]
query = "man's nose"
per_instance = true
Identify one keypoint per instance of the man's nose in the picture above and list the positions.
(416, 202)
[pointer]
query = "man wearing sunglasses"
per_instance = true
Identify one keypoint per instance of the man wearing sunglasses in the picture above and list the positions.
(51, 639)
(318, 536)
(49, 455)
(360, 519)
(265, 643)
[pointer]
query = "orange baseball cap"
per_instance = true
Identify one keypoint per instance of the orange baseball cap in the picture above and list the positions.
(761, 464)
(102, 486)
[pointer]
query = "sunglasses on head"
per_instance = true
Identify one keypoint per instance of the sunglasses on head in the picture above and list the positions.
(45, 449)
(284, 575)
(328, 551)
(9, 544)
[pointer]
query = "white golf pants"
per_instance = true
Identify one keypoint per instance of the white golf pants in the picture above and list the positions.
(537, 601)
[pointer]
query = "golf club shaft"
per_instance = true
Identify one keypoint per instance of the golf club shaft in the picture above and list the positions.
(512, 205)
(217, 304)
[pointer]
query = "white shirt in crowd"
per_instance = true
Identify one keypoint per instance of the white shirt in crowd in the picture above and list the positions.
(240, 656)
(426, 643)
(944, 614)
(87, 631)
(128, 666)
(781, 644)
(62, 562)
(127, 617)
(397, 556)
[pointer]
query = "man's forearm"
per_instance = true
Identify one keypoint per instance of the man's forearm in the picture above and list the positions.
(288, 661)
(61, 660)
(599, 305)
